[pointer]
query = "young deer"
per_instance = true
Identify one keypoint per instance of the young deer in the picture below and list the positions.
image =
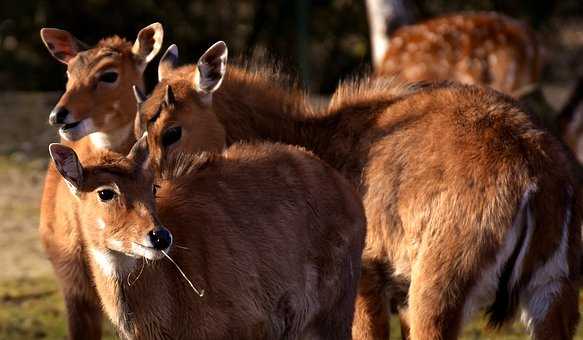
(98, 103)
(473, 48)
(470, 205)
(270, 236)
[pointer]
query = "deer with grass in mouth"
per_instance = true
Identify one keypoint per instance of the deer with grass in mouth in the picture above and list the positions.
(259, 242)
(95, 113)
(471, 206)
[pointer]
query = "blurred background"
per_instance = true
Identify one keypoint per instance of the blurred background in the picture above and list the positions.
(317, 42)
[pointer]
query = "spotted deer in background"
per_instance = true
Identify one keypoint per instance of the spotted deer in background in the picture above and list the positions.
(268, 238)
(470, 205)
(472, 48)
(95, 113)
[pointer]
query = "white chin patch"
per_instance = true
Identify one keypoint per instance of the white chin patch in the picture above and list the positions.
(110, 264)
(146, 252)
(74, 132)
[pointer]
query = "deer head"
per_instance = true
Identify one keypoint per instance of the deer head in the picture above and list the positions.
(183, 99)
(116, 202)
(98, 95)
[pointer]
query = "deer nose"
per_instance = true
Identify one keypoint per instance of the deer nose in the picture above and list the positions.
(161, 238)
(58, 115)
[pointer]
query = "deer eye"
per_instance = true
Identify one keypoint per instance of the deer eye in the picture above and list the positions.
(106, 195)
(171, 136)
(154, 189)
(108, 77)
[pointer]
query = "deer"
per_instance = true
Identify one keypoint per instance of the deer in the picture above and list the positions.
(484, 48)
(95, 113)
(268, 239)
(471, 205)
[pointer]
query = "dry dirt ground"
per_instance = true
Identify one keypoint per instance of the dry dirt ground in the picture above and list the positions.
(30, 303)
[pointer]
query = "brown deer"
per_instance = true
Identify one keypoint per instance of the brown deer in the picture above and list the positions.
(473, 48)
(470, 205)
(98, 103)
(270, 236)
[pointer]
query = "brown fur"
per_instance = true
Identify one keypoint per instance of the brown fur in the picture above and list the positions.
(111, 109)
(444, 170)
(273, 235)
(473, 48)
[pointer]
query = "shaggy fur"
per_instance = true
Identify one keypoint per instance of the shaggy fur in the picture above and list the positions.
(273, 235)
(443, 170)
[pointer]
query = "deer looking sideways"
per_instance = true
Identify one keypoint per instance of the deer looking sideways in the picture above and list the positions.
(272, 235)
(470, 205)
(98, 103)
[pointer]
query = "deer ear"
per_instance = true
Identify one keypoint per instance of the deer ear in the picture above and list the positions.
(168, 62)
(67, 165)
(148, 44)
(139, 152)
(139, 124)
(210, 69)
(61, 44)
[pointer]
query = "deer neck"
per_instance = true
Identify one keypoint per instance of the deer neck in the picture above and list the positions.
(118, 140)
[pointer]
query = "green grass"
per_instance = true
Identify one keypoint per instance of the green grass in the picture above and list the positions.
(33, 309)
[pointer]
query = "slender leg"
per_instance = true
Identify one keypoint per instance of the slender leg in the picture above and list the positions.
(551, 310)
(371, 318)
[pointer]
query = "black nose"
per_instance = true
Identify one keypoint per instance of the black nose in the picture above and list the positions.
(160, 238)
(58, 115)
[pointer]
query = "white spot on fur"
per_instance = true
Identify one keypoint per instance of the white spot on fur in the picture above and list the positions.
(110, 140)
(484, 292)
(113, 265)
(100, 223)
(106, 262)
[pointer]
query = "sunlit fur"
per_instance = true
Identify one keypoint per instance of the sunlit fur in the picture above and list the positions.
(111, 110)
(441, 169)
(473, 48)
(272, 235)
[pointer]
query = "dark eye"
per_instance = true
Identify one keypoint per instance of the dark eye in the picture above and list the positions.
(108, 77)
(106, 194)
(154, 189)
(171, 135)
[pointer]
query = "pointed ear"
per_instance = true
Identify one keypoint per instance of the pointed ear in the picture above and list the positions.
(148, 44)
(62, 44)
(140, 96)
(139, 152)
(169, 99)
(168, 62)
(67, 165)
(210, 69)
(139, 125)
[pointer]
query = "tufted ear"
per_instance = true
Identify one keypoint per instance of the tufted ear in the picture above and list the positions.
(61, 44)
(68, 165)
(168, 62)
(148, 44)
(210, 69)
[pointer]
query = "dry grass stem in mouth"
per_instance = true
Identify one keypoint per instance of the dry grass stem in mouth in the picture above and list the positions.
(139, 274)
(199, 293)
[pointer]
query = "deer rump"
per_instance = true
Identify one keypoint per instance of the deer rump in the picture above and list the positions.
(273, 239)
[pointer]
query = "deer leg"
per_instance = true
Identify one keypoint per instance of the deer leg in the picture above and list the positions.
(84, 314)
(551, 310)
(371, 315)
